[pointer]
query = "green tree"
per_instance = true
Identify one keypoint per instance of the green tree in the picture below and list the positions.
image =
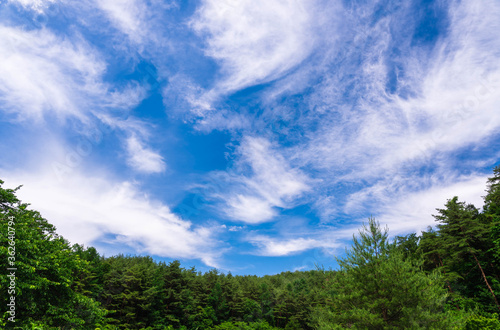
(46, 270)
(218, 303)
(129, 291)
(175, 296)
(492, 199)
(492, 213)
(465, 238)
(409, 245)
(377, 288)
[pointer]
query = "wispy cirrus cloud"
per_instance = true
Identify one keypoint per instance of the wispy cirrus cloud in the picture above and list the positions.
(437, 104)
(262, 182)
(141, 21)
(129, 16)
(45, 74)
(140, 156)
(34, 84)
(386, 130)
(254, 42)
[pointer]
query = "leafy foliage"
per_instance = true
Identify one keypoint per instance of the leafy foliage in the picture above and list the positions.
(46, 270)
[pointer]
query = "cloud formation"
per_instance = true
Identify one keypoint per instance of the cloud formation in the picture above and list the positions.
(143, 159)
(255, 41)
(272, 247)
(42, 73)
(271, 183)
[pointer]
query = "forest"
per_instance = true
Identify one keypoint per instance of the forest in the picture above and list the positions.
(447, 277)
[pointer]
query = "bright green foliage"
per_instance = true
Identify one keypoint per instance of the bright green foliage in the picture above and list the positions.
(46, 276)
(378, 289)
(478, 322)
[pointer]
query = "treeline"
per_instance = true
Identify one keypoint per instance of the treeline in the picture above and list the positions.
(446, 278)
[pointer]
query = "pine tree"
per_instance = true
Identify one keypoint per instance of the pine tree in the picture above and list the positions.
(492, 213)
(464, 238)
(492, 199)
(377, 288)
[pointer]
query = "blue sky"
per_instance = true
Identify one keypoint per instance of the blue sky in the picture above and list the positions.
(254, 136)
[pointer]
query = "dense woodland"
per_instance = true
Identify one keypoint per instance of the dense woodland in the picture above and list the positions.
(446, 278)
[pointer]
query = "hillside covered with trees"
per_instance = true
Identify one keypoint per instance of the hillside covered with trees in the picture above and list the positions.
(447, 277)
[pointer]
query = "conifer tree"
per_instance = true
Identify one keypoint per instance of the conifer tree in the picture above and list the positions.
(492, 212)
(465, 237)
(377, 288)
(492, 199)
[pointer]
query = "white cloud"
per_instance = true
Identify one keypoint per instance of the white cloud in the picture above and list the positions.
(255, 41)
(271, 246)
(446, 100)
(130, 125)
(272, 183)
(85, 208)
(459, 93)
(139, 156)
(250, 209)
(143, 159)
(273, 176)
(38, 72)
(412, 211)
(236, 228)
(142, 21)
(453, 92)
(129, 16)
(43, 74)
(223, 120)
